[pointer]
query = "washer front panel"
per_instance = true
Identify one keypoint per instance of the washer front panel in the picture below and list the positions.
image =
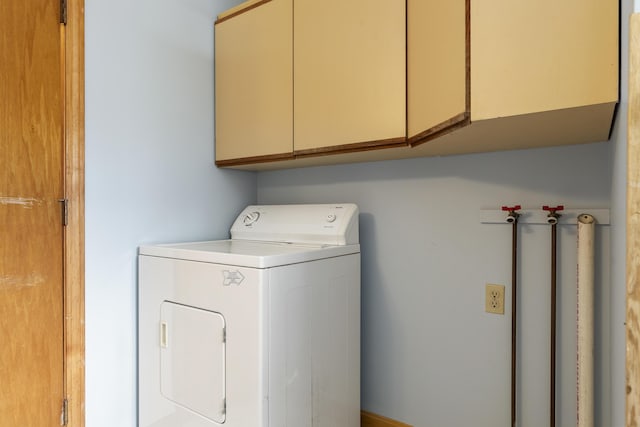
(240, 296)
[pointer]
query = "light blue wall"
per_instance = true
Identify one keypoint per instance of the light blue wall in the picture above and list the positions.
(149, 170)
(431, 356)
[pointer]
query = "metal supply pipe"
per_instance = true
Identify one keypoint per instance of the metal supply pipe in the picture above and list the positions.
(512, 218)
(552, 219)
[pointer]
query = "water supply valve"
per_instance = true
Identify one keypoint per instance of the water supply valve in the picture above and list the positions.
(512, 214)
(553, 216)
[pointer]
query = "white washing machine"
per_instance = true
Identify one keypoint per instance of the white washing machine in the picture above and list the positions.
(262, 330)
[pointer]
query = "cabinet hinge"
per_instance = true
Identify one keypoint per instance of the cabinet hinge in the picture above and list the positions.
(65, 211)
(64, 414)
(63, 12)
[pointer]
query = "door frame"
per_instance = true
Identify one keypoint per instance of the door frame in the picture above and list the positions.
(633, 229)
(74, 237)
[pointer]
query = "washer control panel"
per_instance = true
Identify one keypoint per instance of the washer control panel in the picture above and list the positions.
(322, 224)
(251, 218)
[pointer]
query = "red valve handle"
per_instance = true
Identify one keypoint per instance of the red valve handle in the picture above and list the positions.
(511, 208)
(553, 209)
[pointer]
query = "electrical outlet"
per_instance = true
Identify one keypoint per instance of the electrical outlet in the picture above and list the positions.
(494, 299)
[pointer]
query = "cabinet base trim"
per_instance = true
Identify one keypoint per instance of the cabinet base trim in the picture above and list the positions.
(350, 148)
(454, 123)
(254, 160)
(242, 8)
(368, 419)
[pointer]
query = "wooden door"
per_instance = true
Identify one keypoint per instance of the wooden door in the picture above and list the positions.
(31, 230)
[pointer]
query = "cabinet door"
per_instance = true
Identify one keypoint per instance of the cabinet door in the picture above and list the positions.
(349, 74)
(253, 79)
(437, 66)
(541, 56)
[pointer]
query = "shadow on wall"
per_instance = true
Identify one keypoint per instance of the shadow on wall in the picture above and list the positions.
(376, 320)
(542, 170)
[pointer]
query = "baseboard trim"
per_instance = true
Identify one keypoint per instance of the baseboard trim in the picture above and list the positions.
(368, 419)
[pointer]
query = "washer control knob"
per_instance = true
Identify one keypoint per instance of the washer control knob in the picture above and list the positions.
(250, 218)
(331, 217)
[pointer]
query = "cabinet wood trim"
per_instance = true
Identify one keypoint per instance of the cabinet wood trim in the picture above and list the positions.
(467, 36)
(369, 419)
(255, 159)
(454, 123)
(231, 14)
(349, 148)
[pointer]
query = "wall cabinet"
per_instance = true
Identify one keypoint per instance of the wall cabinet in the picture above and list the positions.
(537, 74)
(323, 76)
(422, 77)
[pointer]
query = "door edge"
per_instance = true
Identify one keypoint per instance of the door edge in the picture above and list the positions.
(74, 237)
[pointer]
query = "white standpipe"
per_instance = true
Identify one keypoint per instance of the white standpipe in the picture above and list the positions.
(586, 227)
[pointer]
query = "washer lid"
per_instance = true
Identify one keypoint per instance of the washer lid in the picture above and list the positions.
(329, 224)
(246, 253)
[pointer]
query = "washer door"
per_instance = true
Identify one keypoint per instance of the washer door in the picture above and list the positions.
(192, 359)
